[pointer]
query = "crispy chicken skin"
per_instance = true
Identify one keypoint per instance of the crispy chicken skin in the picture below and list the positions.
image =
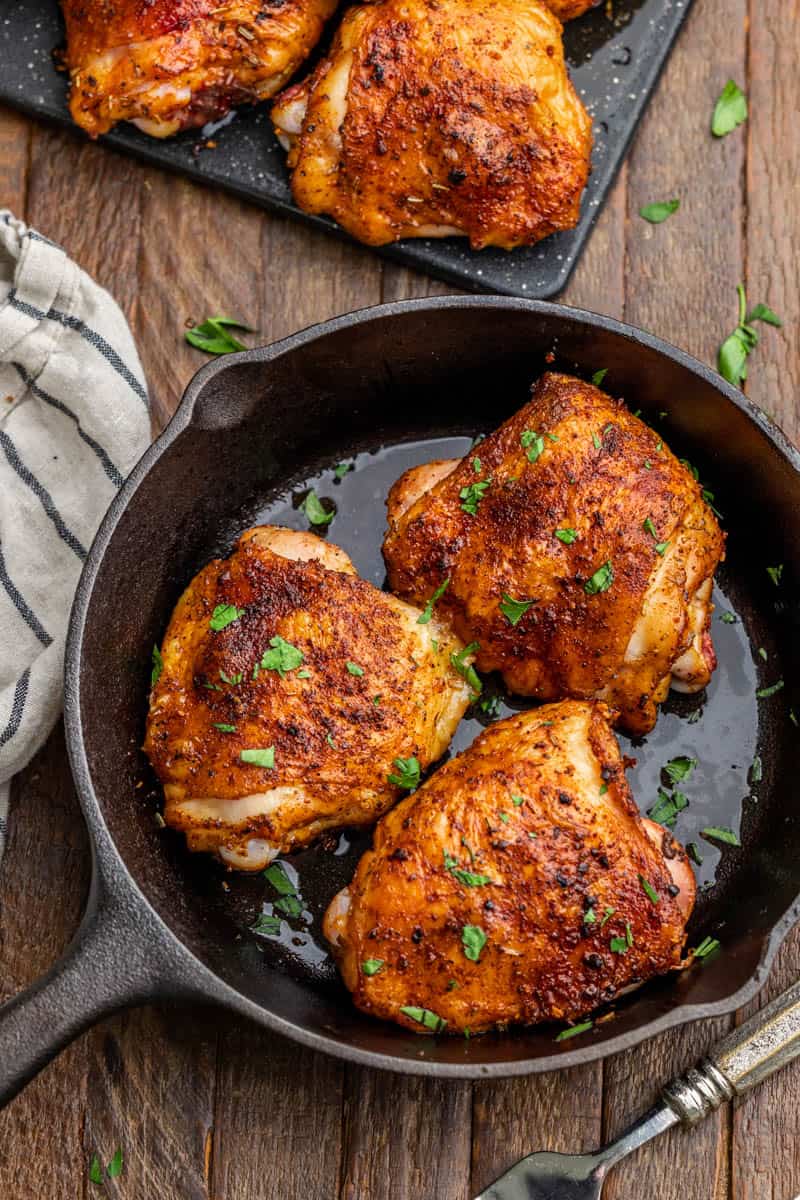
(370, 687)
(639, 523)
(568, 10)
(168, 65)
(517, 839)
(431, 118)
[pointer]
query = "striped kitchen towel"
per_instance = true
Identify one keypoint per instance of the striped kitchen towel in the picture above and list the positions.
(73, 421)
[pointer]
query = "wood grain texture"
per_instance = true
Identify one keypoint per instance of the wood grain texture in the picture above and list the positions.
(204, 1106)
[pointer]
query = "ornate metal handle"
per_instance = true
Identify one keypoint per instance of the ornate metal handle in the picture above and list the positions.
(752, 1052)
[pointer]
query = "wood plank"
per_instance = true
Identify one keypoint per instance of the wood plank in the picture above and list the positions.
(15, 137)
(405, 1137)
(680, 281)
(766, 1124)
(43, 885)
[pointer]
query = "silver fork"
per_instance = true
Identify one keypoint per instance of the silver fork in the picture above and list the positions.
(768, 1041)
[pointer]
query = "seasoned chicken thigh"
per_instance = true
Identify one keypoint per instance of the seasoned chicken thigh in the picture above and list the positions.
(168, 65)
(519, 884)
(431, 118)
(568, 10)
(578, 553)
(288, 689)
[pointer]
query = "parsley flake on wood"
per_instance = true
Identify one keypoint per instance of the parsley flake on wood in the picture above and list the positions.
(775, 573)
(765, 692)
(659, 211)
(259, 758)
(426, 614)
(471, 496)
(573, 1030)
(599, 376)
(114, 1168)
(371, 966)
(407, 775)
(467, 672)
(158, 666)
(601, 581)
(223, 616)
(567, 536)
(281, 657)
(514, 610)
(424, 1016)
(316, 514)
(729, 111)
(473, 939)
(95, 1171)
(734, 351)
(212, 335)
(716, 834)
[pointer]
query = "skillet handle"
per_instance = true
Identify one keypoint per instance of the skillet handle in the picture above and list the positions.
(109, 964)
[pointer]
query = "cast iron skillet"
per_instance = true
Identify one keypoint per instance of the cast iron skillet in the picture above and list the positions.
(384, 388)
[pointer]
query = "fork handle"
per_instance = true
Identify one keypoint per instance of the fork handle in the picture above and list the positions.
(747, 1056)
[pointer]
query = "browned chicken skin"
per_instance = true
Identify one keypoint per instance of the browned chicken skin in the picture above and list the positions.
(519, 884)
(431, 118)
(370, 684)
(168, 65)
(582, 515)
(568, 10)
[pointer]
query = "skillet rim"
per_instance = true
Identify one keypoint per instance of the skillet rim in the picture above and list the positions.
(109, 862)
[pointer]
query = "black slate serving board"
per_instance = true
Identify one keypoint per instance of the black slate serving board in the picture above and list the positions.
(615, 54)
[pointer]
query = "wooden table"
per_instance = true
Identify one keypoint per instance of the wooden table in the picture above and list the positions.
(205, 1106)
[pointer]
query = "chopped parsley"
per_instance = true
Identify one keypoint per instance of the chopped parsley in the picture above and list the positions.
(596, 441)
(259, 758)
(693, 850)
(607, 915)
(730, 110)
(342, 469)
(532, 443)
(567, 536)
(271, 926)
(679, 769)
(371, 966)
(95, 1171)
(472, 495)
(729, 618)
(765, 692)
(707, 947)
(354, 669)
(649, 890)
(620, 945)
(503, 817)
(762, 654)
(212, 335)
(316, 514)
(716, 834)
(407, 775)
(276, 875)
(476, 465)
(467, 878)
(734, 351)
(599, 376)
(659, 211)
(467, 672)
(473, 939)
(291, 905)
(425, 616)
(517, 801)
(666, 808)
(590, 917)
(282, 656)
(514, 610)
(601, 581)
(756, 769)
(234, 679)
(304, 674)
(114, 1168)
(573, 1030)
(775, 573)
(223, 616)
(224, 728)
(424, 1016)
(158, 666)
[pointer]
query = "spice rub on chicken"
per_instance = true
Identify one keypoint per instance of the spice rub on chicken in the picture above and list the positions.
(294, 697)
(574, 550)
(518, 885)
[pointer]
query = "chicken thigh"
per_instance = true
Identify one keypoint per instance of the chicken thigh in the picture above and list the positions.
(288, 689)
(577, 552)
(430, 118)
(168, 65)
(518, 885)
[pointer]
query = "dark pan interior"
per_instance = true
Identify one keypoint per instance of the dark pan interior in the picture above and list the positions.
(383, 393)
